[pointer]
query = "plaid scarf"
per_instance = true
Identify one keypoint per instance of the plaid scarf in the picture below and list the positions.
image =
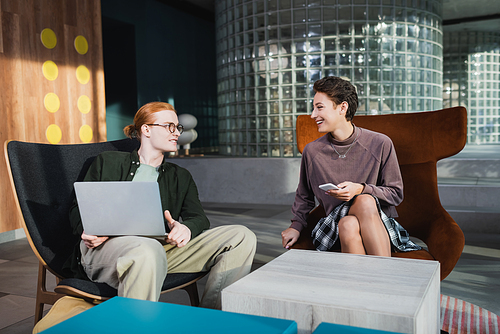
(326, 231)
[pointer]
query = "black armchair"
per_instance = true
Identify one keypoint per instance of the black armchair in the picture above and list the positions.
(42, 177)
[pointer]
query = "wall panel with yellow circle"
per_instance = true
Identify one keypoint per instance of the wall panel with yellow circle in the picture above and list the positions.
(50, 70)
(52, 102)
(82, 74)
(53, 134)
(84, 104)
(86, 133)
(48, 37)
(45, 98)
(81, 45)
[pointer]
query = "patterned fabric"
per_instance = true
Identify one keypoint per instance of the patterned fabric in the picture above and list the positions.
(326, 231)
(461, 317)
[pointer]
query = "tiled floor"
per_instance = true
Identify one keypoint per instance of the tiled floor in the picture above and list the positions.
(476, 278)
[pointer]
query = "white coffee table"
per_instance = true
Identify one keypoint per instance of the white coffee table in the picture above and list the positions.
(309, 287)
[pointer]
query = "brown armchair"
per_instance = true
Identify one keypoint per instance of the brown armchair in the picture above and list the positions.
(420, 139)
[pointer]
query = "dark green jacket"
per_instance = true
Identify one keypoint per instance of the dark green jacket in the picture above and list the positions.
(178, 194)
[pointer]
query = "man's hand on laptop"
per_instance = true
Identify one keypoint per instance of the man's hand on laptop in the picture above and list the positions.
(92, 241)
(179, 234)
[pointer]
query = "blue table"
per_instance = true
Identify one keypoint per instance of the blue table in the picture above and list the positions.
(327, 328)
(125, 315)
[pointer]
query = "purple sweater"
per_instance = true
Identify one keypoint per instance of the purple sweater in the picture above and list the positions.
(371, 161)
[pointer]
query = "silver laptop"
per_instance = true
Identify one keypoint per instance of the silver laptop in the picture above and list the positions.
(120, 208)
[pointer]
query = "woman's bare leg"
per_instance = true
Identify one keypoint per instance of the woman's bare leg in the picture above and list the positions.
(372, 230)
(350, 236)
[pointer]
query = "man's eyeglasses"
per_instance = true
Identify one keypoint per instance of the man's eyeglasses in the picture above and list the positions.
(171, 127)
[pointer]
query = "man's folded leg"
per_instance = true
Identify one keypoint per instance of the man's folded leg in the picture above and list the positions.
(226, 251)
(135, 266)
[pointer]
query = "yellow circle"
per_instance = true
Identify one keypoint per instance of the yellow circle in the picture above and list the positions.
(86, 133)
(81, 45)
(82, 74)
(84, 104)
(50, 71)
(51, 102)
(53, 134)
(48, 37)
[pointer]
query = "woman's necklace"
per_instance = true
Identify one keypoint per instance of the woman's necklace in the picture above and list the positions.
(342, 156)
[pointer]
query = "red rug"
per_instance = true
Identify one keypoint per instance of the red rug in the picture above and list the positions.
(458, 316)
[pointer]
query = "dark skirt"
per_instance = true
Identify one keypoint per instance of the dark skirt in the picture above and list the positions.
(326, 231)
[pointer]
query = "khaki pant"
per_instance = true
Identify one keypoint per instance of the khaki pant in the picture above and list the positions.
(137, 266)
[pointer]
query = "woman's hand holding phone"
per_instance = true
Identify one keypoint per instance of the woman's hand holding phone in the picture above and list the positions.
(344, 191)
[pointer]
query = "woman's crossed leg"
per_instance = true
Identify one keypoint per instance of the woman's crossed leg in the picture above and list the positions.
(362, 230)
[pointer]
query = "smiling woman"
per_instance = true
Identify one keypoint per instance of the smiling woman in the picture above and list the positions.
(364, 167)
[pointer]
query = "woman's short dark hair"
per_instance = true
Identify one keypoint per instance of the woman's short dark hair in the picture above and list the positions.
(339, 90)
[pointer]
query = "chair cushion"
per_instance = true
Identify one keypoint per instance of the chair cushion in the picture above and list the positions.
(419, 255)
(177, 279)
(88, 287)
(106, 291)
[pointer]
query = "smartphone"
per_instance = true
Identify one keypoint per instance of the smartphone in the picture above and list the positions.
(328, 186)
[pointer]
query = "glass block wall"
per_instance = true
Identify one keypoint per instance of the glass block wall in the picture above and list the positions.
(471, 78)
(270, 52)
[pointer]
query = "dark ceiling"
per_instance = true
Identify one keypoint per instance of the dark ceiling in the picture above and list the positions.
(476, 15)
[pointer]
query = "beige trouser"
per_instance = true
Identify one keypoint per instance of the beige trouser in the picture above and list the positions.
(137, 266)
